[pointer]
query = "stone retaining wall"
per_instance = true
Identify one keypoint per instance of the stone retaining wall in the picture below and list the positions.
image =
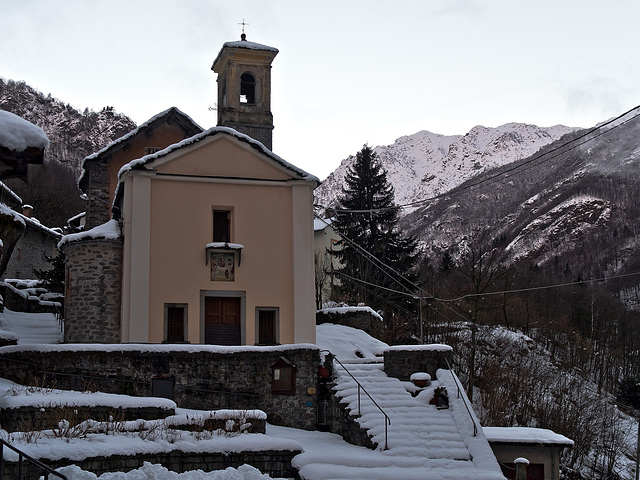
(402, 361)
(198, 377)
(37, 418)
(276, 463)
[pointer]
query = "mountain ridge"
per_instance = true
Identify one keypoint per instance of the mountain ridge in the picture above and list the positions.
(426, 164)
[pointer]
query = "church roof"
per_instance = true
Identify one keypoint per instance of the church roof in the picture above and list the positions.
(246, 45)
(178, 116)
(259, 147)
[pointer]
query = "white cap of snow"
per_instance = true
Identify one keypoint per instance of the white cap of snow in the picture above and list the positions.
(17, 134)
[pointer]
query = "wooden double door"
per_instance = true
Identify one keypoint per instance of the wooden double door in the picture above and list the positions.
(222, 317)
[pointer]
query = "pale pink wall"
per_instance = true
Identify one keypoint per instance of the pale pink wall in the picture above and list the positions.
(181, 222)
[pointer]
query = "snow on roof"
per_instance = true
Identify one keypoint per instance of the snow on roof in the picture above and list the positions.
(17, 134)
(321, 223)
(209, 133)
(34, 222)
(132, 134)
(76, 217)
(525, 435)
(5, 210)
(244, 44)
(433, 347)
(109, 230)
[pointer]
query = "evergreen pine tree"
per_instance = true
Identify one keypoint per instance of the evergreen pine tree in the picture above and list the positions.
(367, 217)
(53, 278)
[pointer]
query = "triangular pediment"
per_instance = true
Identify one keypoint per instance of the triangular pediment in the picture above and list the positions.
(219, 152)
(221, 156)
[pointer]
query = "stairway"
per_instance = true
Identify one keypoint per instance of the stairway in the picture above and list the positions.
(423, 441)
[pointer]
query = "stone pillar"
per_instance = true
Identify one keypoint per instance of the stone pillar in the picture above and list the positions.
(93, 290)
(521, 468)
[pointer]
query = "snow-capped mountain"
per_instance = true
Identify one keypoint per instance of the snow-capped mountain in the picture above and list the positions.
(426, 164)
(570, 208)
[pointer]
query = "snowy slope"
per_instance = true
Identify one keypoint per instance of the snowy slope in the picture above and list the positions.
(426, 164)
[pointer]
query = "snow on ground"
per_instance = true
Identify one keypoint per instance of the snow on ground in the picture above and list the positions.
(438, 444)
(158, 472)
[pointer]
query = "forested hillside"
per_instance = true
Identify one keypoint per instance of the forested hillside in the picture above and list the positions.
(52, 189)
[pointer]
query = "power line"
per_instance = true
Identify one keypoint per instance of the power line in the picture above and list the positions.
(543, 287)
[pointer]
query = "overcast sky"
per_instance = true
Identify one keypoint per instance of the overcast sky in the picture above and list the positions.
(348, 72)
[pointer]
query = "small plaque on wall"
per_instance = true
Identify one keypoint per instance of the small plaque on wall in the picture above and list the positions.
(223, 266)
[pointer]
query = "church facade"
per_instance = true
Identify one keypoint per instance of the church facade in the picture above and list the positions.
(210, 239)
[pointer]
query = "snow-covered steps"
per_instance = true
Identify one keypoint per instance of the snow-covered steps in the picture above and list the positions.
(416, 427)
(420, 436)
(32, 328)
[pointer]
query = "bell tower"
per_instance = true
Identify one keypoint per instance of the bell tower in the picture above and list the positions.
(244, 88)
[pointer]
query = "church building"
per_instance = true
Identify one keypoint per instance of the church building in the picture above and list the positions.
(210, 235)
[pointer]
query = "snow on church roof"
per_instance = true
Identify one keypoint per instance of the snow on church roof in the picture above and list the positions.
(17, 134)
(244, 44)
(209, 133)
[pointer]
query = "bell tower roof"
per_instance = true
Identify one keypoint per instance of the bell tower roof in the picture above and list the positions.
(244, 88)
(244, 43)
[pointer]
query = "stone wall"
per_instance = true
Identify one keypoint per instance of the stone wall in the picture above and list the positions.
(276, 463)
(97, 191)
(93, 290)
(31, 251)
(403, 360)
(36, 418)
(199, 377)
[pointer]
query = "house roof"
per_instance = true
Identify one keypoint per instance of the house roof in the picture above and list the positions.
(17, 134)
(173, 114)
(525, 435)
(21, 143)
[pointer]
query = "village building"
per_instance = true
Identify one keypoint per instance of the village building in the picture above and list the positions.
(541, 447)
(196, 236)
(21, 143)
(34, 248)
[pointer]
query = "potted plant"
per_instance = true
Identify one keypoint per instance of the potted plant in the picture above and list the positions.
(440, 398)
(325, 369)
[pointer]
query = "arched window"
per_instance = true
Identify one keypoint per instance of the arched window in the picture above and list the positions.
(247, 89)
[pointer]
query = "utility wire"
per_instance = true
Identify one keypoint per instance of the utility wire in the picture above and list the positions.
(543, 287)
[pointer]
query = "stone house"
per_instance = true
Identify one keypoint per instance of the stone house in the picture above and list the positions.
(35, 245)
(211, 234)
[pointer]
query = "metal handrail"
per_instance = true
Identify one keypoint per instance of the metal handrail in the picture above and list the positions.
(475, 427)
(387, 420)
(21, 455)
